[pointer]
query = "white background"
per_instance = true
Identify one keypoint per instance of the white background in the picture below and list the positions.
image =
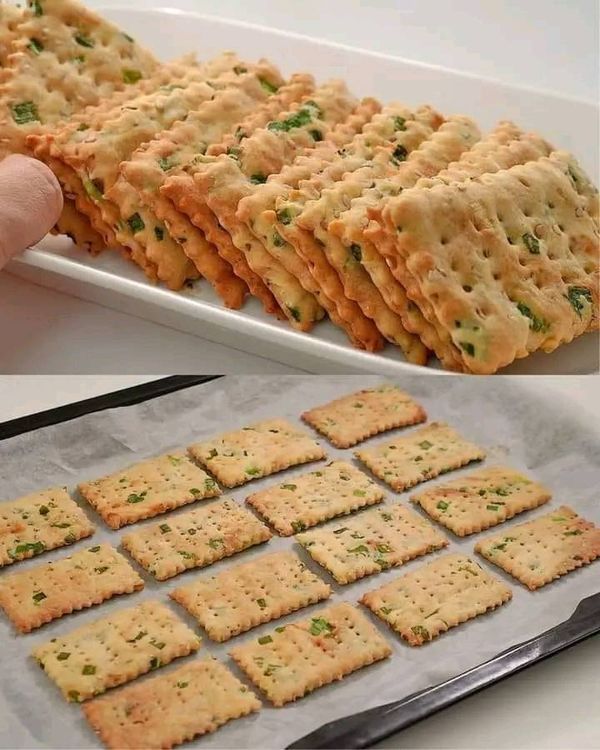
(543, 44)
(554, 704)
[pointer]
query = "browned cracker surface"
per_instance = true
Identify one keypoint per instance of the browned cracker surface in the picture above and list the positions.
(371, 541)
(38, 522)
(38, 595)
(249, 594)
(114, 650)
(172, 708)
(436, 597)
(308, 499)
(481, 499)
(546, 548)
(358, 416)
(301, 657)
(148, 488)
(420, 455)
(195, 539)
(256, 451)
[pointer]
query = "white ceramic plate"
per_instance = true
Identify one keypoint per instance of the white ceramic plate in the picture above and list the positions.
(113, 282)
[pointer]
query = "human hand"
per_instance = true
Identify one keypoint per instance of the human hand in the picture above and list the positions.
(31, 202)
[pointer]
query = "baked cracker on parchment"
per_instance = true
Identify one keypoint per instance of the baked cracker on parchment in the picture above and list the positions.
(298, 658)
(436, 597)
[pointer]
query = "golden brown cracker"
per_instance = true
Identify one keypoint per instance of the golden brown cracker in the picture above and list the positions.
(298, 658)
(195, 539)
(351, 419)
(436, 597)
(371, 541)
(170, 709)
(105, 653)
(539, 551)
(148, 488)
(41, 594)
(481, 499)
(305, 500)
(419, 455)
(249, 594)
(39, 522)
(256, 451)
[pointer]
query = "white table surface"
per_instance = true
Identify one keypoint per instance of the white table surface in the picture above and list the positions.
(552, 705)
(540, 44)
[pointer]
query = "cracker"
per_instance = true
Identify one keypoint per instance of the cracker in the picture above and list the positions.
(195, 539)
(242, 597)
(481, 499)
(371, 541)
(351, 419)
(309, 499)
(298, 658)
(421, 455)
(508, 280)
(539, 551)
(148, 488)
(366, 275)
(41, 594)
(146, 169)
(172, 708)
(256, 451)
(77, 227)
(108, 652)
(10, 18)
(40, 522)
(436, 597)
(76, 59)
(221, 182)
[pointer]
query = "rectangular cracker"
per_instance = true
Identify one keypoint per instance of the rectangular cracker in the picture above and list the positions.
(371, 541)
(78, 59)
(148, 488)
(508, 280)
(306, 500)
(539, 551)
(436, 597)
(351, 419)
(39, 522)
(39, 595)
(195, 539)
(242, 597)
(172, 708)
(481, 499)
(256, 451)
(76, 226)
(108, 652)
(421, 455)
(298, 658)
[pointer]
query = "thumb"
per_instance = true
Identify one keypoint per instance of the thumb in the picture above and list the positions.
(30, 204)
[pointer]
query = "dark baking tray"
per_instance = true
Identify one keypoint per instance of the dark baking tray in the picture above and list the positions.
(368, 727)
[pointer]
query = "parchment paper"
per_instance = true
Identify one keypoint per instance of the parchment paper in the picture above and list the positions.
(515, 423)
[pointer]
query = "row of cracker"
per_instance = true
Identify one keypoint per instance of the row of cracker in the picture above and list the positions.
(285, 206)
